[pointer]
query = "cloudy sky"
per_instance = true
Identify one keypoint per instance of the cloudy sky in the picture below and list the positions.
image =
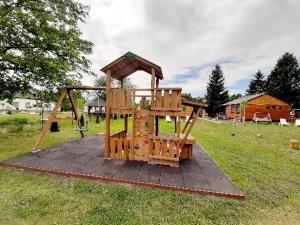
(188, 37)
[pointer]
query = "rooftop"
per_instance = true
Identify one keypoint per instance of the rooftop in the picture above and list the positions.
(130, 63)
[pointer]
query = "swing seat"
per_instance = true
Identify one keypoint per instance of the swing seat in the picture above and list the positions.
(81, 129)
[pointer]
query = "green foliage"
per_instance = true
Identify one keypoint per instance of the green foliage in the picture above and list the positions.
(14, 121)
(234, 96)
(284, 80)
(267, 171)
(41, 44)
(257, 85)
(216, 92)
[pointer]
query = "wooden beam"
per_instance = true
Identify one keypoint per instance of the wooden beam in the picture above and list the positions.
(47, 125)
(189, 119)
(157, 82)
(85, 88)
(190, 129)
(107, 114)
(72, 104)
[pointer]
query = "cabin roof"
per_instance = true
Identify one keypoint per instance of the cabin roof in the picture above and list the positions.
(95, 103)
(130, 63)
(243, 99)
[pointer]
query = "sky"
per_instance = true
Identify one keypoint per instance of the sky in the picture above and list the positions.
(187, 38)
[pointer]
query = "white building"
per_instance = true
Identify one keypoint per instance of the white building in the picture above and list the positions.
(26, 103)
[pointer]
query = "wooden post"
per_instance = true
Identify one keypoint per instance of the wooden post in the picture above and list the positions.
(75, 111)
(175, 124)
(157, 82)
(152, 86)
(178, 127)
(47, 125)
(107, 114)
(156, 125)
(126, 123)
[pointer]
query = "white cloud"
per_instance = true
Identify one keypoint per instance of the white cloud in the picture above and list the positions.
(179, 35)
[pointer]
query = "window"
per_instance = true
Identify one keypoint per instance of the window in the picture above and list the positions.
(232, 108)
(15, 104)
(238, 108)
(27, 105)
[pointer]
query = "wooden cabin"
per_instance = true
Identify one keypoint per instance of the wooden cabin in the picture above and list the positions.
(261, 105)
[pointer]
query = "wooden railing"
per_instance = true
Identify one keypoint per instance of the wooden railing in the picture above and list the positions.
(164, 148)
(121, 98)
(162, 99)
(120, 148)
(120, 134)
(167, 99)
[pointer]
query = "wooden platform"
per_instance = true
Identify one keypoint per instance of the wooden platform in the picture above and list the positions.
(85, 159)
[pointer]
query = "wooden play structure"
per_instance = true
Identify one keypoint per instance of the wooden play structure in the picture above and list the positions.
(144, 142)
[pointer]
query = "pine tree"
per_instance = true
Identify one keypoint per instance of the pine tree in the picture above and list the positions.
(216, 92)
(258, 84)
(284, 80)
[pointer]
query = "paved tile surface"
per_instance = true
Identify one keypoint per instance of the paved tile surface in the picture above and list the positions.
(86, 156)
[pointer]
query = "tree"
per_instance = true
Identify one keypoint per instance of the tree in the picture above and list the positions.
(235, 96)
(216, 92)
(188, 96)
(41, 44)
(257, 85)
(284, 80)
(101, 82)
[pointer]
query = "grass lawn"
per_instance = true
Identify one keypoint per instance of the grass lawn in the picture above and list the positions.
(264, 168)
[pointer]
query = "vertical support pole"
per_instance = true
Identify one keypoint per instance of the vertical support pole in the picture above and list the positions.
(178, 127)
(107, 113)
(47, 125)
(175, 124)
(157, 82)
(126, 123)
(156, 125)
(152, 86)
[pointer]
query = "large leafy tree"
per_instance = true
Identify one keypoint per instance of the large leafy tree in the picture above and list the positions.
(258, 84)
(40, 44)
(216, 91)
(284, 80)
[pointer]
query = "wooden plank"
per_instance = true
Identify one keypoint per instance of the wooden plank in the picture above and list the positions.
(171, 149)
(48, 123)
(120, 147)
(158, 102)
(85, 88)
(112, 148)
(157, 146)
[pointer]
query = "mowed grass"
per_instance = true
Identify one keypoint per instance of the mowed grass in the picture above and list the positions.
(264, 168)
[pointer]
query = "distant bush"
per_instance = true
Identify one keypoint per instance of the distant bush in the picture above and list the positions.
(14, 121)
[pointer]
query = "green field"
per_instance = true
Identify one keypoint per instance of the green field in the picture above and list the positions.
(263, 167)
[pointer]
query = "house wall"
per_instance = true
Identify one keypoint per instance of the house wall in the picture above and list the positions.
(23, 104)
(232, 111)
(263, 104)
